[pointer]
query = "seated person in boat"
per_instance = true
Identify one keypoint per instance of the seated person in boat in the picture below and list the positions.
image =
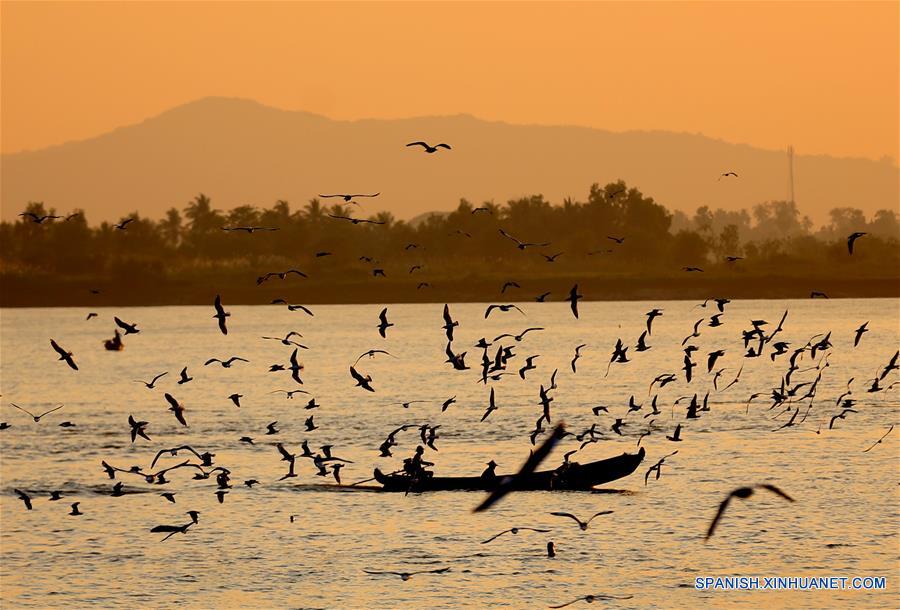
(415, 466)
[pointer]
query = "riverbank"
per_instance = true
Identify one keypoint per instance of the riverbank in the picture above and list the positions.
(240, 289)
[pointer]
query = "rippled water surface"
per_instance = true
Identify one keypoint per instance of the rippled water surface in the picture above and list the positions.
(247, 553)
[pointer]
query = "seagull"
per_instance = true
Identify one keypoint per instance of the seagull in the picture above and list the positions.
(503, 308)
(236, 399)
(138, 428)
(226, 363)
(551, 258)
(184, 377)
(289, 393)
(583, 524)
(429, 148)
(363, 382)
(221, 314)
(859, 333)
(618, 240)
(492, 406)
(742, 492)
(249, 229)
(651, 315)
(518, 337)
(152, 384)
(371, 354)
(851, 239)
(449, 323)
(727, 174)
(573, 299)
(356, 221)
(383, 323)
(176, 408)
(24, 497)
(542, 297)
(529, 366)
(514, 530)
(404, 576)
(447, 403)
(90, 315)
(169, 495)
(279, 274)
(75, 512)
(841, 415)
(592, 598)
(271, 429)
(39, 219)
(521, 245)
(577, 356)
(642, 343)
(286, 340)
(657, 467)
(349, 197)
(878, 442)
(533, 461)
(295, 367)
(130, 329)
(64, 355)
(36, 418)
(123, 224)
(509, 285)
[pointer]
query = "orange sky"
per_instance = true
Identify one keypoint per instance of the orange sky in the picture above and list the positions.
(822, 76)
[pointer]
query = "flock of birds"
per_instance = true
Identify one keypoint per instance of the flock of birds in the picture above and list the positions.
(791, 400)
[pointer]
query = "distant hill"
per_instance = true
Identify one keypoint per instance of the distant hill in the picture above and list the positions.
(241, 152)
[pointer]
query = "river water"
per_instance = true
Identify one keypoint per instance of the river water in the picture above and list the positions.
(247, 553)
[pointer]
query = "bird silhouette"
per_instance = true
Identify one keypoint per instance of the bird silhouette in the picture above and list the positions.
(64, 355)
(743, 493)
(428, 147)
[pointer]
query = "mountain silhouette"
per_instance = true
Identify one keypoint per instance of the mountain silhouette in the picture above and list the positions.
(242, 152)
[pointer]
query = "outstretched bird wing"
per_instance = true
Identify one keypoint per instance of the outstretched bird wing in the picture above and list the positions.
(527, 468)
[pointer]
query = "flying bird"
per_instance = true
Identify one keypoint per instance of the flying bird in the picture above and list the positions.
(130, 329)
(528, 467)
(521, 245)
(573, 299)
(851, 239)
(583, 524)
(346, 197)
(743, 493)
(152, 384)
(363, 382)
(36, 418)
(383, 323)
(221, 314)
(514, 530)
(404, 576)
(176, 408)
(429, 148)
(65, 355)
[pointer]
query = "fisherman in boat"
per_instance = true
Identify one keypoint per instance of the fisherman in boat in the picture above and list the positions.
(415, 466)
(490, 473)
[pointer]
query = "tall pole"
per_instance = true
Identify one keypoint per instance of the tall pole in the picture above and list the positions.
(791, 172)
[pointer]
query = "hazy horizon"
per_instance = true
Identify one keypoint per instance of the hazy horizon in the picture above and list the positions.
(820, 76)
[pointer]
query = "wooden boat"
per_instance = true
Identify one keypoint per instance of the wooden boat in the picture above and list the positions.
(574, 477)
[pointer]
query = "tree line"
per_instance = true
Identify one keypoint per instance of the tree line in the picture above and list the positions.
(616, 231)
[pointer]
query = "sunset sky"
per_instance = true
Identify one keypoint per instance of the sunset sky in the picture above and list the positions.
(820, 76)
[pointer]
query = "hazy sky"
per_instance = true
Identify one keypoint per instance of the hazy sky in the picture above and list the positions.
(820, 76)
